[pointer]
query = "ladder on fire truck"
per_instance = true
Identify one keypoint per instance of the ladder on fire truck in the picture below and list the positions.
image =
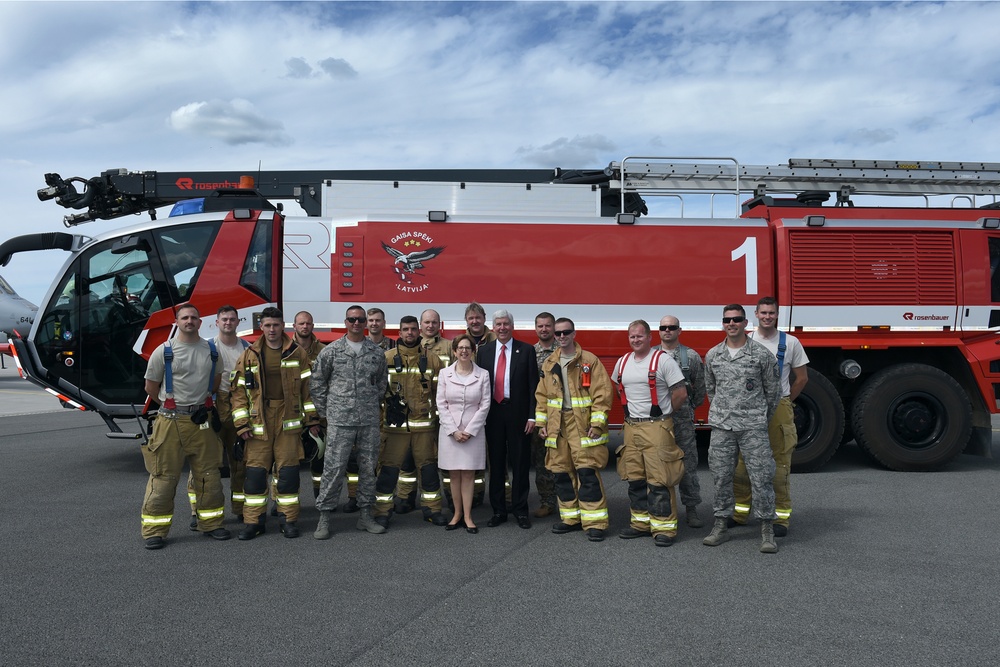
(674, 176)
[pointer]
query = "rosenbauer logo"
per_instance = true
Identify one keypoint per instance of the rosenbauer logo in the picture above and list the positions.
(409, 251)
(909, 317)
(185, 183)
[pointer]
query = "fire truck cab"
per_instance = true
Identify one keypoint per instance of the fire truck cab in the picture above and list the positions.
(898, 307)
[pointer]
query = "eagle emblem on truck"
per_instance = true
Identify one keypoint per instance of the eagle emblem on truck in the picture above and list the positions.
(407, 264)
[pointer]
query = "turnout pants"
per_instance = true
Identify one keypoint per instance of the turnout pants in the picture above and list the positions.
(237, 469)
(577, 474)
(174, 440)
(783, 437)
(653, 465)
(283, 450)
(423, 445)
(723, 452)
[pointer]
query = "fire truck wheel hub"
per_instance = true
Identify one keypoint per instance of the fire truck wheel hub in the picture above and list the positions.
(916, 419)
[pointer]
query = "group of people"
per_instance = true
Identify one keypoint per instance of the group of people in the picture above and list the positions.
(397, 416)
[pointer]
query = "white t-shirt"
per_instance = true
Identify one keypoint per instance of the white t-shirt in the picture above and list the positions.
(191, 370)
(635, 379)
(228, 356)
(795, 356)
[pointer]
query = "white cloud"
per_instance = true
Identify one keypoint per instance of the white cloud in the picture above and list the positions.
(235, 122)
(576, 151)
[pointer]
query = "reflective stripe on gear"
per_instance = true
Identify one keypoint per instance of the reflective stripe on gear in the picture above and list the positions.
(569, 514)
(149, 520)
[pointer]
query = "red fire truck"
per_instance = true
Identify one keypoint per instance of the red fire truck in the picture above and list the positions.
(886, 271)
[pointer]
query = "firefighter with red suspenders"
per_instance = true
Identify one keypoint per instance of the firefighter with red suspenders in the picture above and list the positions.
(651, 387)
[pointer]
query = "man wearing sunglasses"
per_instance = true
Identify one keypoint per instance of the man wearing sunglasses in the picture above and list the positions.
(348, 383)
(572, 402)
(741, 378)
(792, 361)
(694, 380)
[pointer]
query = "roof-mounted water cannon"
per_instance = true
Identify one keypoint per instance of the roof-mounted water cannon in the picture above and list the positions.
(115, 193)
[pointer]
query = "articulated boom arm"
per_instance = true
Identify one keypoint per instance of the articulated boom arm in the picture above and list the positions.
(119, 192)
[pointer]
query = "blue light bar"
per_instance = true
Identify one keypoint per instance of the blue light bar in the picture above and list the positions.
(188, 207)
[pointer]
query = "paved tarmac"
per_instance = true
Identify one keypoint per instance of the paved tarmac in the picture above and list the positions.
(879, 568)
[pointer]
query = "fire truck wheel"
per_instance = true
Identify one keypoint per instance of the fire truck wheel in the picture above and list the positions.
(819, 421)
(912, 417)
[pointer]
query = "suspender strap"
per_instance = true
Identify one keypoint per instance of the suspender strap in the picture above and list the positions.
(655, 410)
(618, 382)
(168, 376)
(781, 351)
(209, 400)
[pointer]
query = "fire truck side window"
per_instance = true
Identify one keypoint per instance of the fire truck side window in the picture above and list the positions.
(184, 250)
(994, 269)
(100, 308)
(256, 275)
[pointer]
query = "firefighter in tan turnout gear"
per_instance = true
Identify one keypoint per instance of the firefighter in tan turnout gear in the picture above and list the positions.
(180, 378)
(572, 401)
(432, 343)
(304, 337)
(410, 424)
(271, 405)
(651, 388)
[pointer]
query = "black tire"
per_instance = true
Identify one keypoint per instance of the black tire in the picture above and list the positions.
(819, 421)
(912, 417)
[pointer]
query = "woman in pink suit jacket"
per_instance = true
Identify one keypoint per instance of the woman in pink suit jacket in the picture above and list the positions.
(463, 401)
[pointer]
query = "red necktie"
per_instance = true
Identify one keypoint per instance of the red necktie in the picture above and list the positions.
(500, 373)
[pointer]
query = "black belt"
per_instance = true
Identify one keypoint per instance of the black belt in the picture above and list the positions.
(641, 420)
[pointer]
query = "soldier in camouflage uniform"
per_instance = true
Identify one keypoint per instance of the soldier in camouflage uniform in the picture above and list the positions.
(348, 382)
(544, 479)
(694, 379)
(741, 377)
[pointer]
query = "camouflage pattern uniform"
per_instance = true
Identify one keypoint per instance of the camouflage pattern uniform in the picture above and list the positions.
(744, 391)
(544, 479)
(684, 423)
(347, 388)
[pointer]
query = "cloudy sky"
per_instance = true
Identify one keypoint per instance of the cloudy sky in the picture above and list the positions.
(90, 86)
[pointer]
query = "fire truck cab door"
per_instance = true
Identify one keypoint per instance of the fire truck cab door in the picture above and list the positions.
(980, 282)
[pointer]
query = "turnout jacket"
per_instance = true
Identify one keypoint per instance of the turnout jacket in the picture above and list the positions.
(439, 346)
(590, 404)
(419, 390)
(247, 390)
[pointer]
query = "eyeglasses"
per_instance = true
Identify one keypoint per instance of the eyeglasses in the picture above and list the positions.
(669, 327)
(463, 349)
(355, 320)
(734, 320)
(563, 333)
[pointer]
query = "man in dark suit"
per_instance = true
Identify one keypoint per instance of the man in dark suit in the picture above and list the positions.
(513, 370)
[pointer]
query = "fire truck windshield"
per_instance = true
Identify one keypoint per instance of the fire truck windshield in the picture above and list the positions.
(87, 332)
